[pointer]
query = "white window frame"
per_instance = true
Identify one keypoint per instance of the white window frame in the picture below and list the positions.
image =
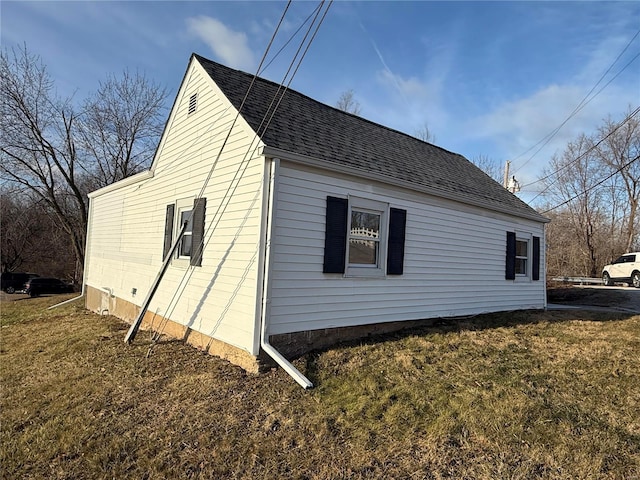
(377, 208)
(182, 205)
(524, 237)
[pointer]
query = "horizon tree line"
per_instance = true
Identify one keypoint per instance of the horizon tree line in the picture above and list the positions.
(55, 150)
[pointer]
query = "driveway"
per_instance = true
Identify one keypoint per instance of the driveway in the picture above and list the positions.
(596, 297)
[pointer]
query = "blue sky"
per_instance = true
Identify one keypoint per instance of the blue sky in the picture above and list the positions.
(489, 79)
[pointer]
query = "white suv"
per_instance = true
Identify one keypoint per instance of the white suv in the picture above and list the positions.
(625, 269)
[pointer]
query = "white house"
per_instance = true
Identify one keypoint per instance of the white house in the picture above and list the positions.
(306, 225)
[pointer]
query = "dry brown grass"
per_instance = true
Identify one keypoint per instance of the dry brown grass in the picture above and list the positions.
(520, 395)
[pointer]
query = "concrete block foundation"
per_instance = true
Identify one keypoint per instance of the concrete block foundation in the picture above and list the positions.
(291, 345)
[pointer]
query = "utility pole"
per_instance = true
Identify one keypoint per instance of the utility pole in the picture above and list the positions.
(510, 183)
(505, 182)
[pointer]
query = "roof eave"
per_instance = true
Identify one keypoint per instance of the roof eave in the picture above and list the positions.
(125, 182)
(314, 162)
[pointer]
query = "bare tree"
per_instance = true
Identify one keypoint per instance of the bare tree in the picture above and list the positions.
(38, 144)
(620, 146)
(594, 187)
(348, 103)
(563, 253)
(31, 240)
(19, 227)
(59, 154)
(121, 126)
(425, 134)
(488, 165)
(571, 180)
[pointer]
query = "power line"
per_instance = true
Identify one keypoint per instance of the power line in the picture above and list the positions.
(260, 69)
(244, 163)
(262, 128)
(290, 38)
(547, 138)
(578, 109)
(182, 156)
(587, 190)
(579, 157)
(246, 95)
(186, 275)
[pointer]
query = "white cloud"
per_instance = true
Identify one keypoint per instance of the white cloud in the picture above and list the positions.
(231, 47)
(407, 104)
(409, 87)
(520, 128)
(522, 120)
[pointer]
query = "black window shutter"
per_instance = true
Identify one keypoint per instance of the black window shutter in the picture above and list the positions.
(535, 267)
(197, 231)
(335, 235)
(395, 252)
(510, 270)
(168, 230)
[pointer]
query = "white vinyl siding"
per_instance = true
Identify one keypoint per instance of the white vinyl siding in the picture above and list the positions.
(127, 229)
(454, 259)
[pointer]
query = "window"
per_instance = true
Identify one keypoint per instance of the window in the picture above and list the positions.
(523, 256)
(362, 237)
(191, 245)
(184, 250)
(626, 259)
(366, 246)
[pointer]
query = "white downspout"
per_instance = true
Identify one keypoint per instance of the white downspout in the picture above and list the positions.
(264, 327)
(68, 301)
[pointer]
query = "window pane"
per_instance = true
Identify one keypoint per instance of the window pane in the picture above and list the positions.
(521, 266)
(521, 248)
(363, 252)
(185, 246)
(185, 216)
(364, 224)
(184, 250)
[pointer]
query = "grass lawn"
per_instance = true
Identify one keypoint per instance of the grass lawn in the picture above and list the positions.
(517, 395)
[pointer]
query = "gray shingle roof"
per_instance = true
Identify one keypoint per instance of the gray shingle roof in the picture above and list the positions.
(304, 126)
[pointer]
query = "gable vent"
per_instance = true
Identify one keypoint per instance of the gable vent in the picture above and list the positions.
(193, 102)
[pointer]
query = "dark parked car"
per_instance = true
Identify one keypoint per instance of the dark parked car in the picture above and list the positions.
(40, 285)
(12, 282)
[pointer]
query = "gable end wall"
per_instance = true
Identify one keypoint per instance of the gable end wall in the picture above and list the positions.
(125, 245)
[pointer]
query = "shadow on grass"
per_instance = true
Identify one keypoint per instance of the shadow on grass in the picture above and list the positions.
(480, 322)
(23, 298)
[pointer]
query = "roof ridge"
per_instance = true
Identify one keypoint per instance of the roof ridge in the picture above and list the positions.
(357, 117)
(312, 129)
